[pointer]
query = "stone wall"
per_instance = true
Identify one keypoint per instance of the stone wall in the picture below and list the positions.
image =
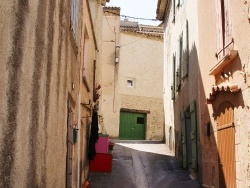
(155, 118)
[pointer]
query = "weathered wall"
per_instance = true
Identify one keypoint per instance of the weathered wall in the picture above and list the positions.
(40, 63)
(108, 104)
(189, 89)
(155, 118)
(203, 44)
(34, 94)
(240, 100)
(140, 57)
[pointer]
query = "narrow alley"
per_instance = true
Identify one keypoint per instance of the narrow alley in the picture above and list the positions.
(158, 89)
(142, 165)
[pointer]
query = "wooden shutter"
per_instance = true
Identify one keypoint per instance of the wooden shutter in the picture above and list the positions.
(177, 3)
(178, 64)
(173, 82)
(193, 134)
(185, 50)
(183, 139)
(228, 26)
(173, 10)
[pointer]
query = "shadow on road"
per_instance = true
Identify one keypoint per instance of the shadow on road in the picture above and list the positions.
(132, 168)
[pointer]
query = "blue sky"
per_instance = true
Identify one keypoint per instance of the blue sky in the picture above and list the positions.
(138, 9)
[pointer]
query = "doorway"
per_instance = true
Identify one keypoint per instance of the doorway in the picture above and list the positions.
(226, 145)
(132, 126)
(69, 162)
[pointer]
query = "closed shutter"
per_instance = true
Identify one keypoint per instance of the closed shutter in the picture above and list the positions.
(173, 82)
(173, 10)
(185, 50)
(193, 134)
(227, 27)
(177, 3)
(178, 64)
(183, 139)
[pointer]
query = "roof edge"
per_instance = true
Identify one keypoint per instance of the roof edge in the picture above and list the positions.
(161, 8)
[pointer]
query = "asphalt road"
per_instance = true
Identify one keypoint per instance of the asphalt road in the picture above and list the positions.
(143, 165)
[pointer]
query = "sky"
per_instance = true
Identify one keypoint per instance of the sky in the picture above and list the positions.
(137, 8)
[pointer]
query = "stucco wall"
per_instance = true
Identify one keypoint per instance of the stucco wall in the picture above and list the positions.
(189, 90)
(240, 100)
(40, 71)
(108, 104)
(140, 57)
(203, 44)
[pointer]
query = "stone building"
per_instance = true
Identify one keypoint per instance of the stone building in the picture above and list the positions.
(131, 101)
(49, 60)
(206, 84)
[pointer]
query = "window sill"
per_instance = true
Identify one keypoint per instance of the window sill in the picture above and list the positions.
(224, 62)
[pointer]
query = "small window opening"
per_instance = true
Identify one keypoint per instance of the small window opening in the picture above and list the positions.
(130, 83)
(140, 120)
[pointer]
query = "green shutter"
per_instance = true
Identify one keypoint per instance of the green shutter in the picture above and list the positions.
(193, 134)
(183, 139)
(185, 50)
(178, 64)
(173, 11)
(178, 79)
(177, 3)
(173, 83)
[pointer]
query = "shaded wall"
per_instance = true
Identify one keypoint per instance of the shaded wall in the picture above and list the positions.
(40, 71)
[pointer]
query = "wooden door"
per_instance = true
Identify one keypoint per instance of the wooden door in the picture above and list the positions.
(132, 126)
(193, 135)
(69, 170)
(183, 139)
(226, 145)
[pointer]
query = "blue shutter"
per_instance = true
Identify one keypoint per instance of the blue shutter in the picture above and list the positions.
(193, 134)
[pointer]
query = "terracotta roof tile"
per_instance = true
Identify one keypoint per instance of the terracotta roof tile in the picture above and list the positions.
(228, 87)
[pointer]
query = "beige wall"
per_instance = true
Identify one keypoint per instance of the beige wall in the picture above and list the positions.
(203, 42)
(141, 58)
(108, 104)
(142, 61)
(240, 100)
(189, 86)
(40, 63)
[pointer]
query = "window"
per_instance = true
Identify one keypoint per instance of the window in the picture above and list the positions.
(130, 83)
(185, 51)
(178, 64)
(173, 80)
(224, 27)
(173, 11)
(177, 3)
(140, 120)
(74, 18)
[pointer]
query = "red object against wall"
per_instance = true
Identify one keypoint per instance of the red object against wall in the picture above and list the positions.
(101, 145)
(101, 163)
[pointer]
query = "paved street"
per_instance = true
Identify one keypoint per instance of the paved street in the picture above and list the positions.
(142, 165)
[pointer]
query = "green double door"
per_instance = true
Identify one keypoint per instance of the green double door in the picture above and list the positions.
(132, 126)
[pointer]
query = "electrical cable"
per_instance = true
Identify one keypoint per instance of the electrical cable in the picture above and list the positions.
(136, 18)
